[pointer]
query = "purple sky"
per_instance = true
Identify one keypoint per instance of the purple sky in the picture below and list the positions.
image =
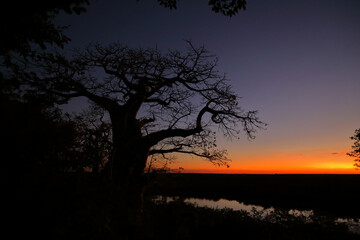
(297, 62)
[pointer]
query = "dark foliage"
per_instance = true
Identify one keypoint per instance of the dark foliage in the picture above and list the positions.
(43, 157)
(38, 139)
(356, 148)
(26, 22)
(34, 135)
(226, 7)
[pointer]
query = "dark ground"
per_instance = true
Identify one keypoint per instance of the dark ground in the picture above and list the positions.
(332, 195)
(79, 206)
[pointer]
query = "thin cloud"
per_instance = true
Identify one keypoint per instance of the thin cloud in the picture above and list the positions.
(338, 153)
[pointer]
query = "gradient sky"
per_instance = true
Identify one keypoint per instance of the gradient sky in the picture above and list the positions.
(297, 62)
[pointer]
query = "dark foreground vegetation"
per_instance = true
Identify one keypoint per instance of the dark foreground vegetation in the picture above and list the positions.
(79, 206)
(326, 194)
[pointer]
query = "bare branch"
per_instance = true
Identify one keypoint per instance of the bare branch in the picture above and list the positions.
(161, 102)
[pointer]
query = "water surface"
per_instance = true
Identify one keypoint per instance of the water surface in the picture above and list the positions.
(353, 225)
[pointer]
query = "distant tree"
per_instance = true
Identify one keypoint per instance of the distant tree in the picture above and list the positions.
(356, 148)
(226, 7)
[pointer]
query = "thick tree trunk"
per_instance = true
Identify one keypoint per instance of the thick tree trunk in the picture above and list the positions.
(129, 161)
(127, 171)
(130, 152)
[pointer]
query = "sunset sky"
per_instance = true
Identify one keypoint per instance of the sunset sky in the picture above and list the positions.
(297, 62)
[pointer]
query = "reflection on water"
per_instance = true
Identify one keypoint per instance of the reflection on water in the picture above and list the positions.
(223, 203)
(353, 225)
(234, 205)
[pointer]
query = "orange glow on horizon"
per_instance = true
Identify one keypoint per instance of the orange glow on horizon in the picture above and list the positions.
(322, 163)
(260, 171)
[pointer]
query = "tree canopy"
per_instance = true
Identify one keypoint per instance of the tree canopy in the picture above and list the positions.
(164, 103)
(158, 103)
